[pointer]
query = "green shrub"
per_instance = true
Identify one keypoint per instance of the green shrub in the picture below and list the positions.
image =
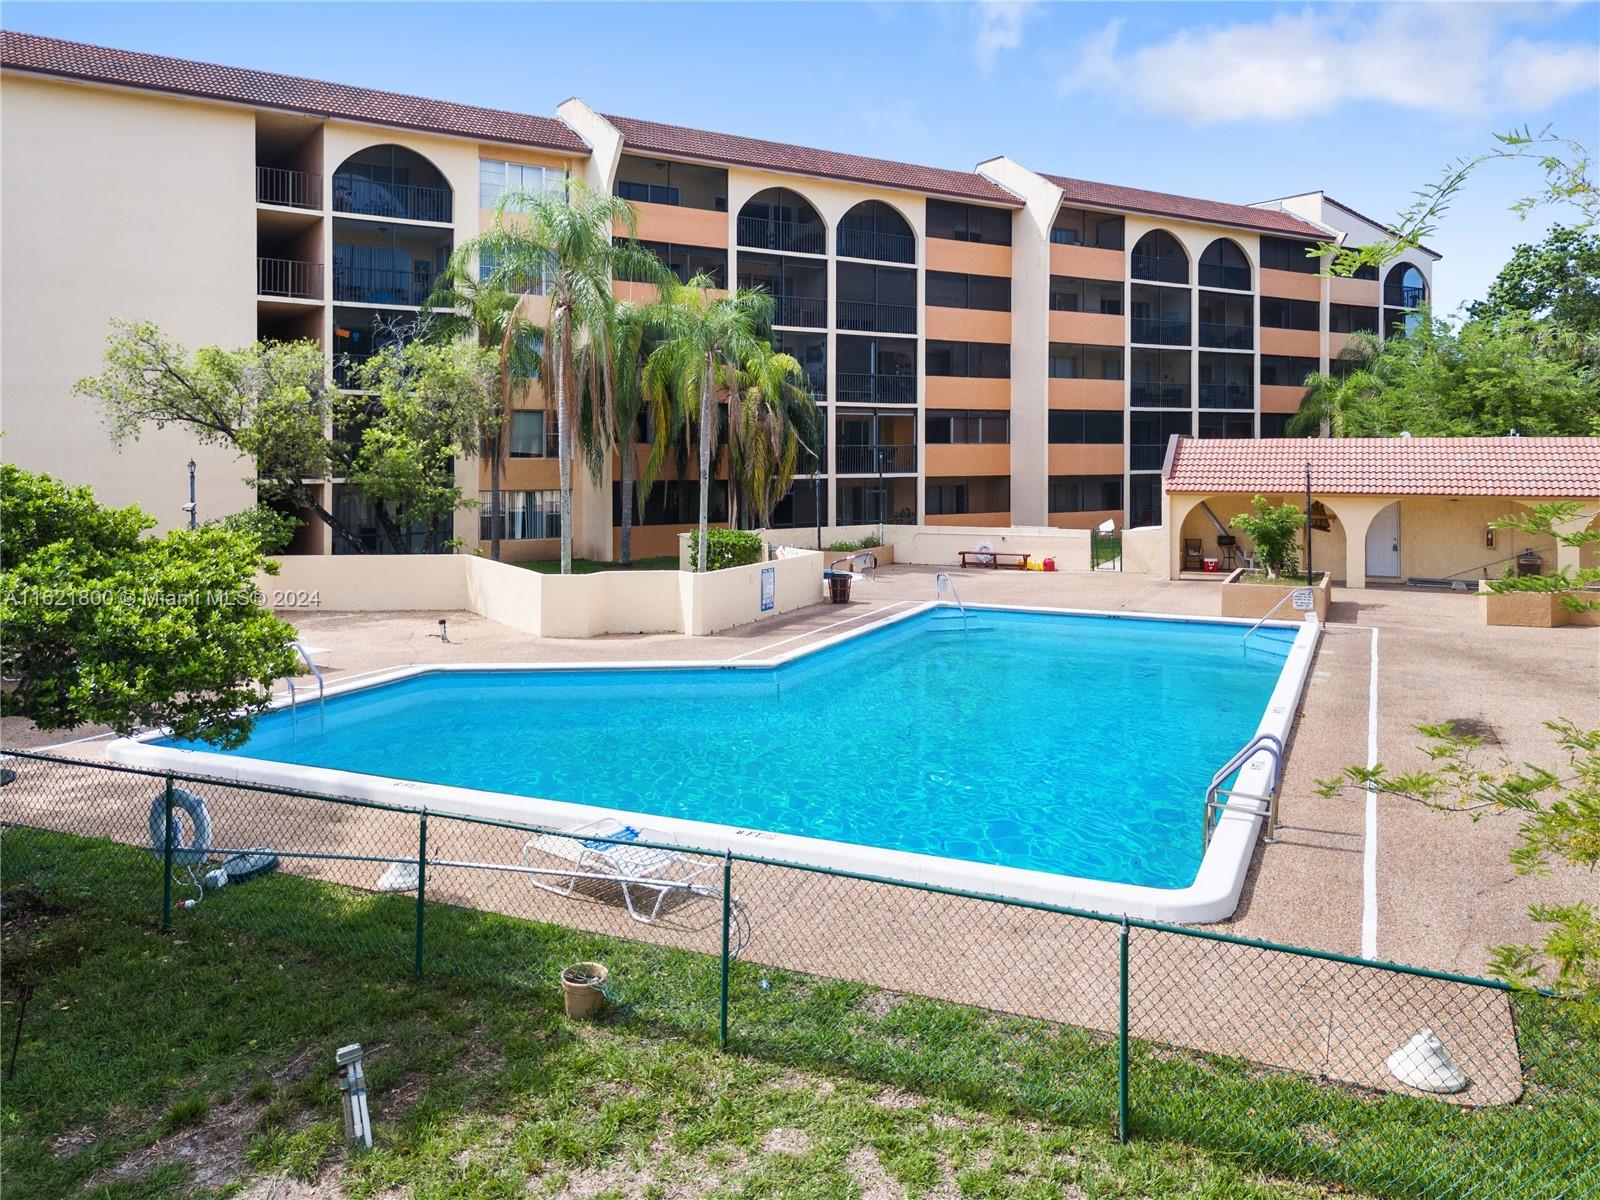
(1273, 530)
(870, 543)
(846, 547)
(728, 548)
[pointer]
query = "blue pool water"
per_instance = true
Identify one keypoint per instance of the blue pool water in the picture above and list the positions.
(1071, 744)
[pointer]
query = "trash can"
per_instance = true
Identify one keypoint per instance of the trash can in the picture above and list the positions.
(582, 989)
(1530, 563)
(838, 587)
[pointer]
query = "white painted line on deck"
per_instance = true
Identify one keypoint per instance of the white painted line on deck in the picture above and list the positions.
(822, 629)
(1369, 853)
(93, 737)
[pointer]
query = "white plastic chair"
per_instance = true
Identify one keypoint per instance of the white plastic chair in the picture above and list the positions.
(604, 850)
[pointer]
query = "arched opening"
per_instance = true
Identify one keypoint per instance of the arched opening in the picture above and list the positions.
(783, 220)
(1405, 287)
(1159, 256)
(873, 229)
(1224, 265)
(391, 181)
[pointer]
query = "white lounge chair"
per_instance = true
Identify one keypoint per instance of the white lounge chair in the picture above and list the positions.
(604, 850)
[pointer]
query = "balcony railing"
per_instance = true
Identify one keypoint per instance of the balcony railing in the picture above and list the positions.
(1404, 297)
(402, 201)
(807, 312)
(291, 189)
(1235, 278)
(1153, 331)
(1159, 395)
(287, 277)
(1146, 456)
(877, 318)
(1226, 337)
(1161, 268)
(1227, 395)
(346, 369)
(858, 388)
(881, 247)
(794, 237)
(378, 285)
(877, 460)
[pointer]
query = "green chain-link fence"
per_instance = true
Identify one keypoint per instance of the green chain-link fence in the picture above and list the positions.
(1278, 1055)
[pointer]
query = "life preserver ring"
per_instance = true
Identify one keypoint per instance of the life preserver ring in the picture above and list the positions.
(985, 553)
(199, 846)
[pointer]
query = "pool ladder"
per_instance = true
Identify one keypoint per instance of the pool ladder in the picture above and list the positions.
(1218, 797)
(942, 583)
(294, 695)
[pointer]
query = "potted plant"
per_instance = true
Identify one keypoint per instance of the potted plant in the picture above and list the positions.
(1274, 531)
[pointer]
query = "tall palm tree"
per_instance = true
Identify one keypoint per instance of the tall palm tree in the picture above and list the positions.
(708, 340)
(773, 423)
(566, 239)
(1325, 408)
(485, 310)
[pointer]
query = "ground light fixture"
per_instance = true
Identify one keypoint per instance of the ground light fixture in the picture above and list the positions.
(352, 1078)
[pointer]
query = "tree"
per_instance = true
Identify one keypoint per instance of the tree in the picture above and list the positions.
(774, 421)
(1565, 522)
(1272, 530)
(1555, 281)
(104, 625)
(709, 340)
(1325, 408)
(566, 241)
(273, 404)
(486, 313)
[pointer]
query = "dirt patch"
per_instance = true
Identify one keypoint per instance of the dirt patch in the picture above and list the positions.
(787, 1140)
(875, 1183)
(897, 1100)
(213, 1150)
(879, 1004)
(276, 1188)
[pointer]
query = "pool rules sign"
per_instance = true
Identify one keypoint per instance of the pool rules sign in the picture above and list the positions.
(769, 589)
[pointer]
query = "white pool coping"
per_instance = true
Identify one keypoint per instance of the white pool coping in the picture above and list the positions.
(1212, 896)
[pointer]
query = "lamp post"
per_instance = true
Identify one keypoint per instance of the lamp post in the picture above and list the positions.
(1310, 579)
(190, 507)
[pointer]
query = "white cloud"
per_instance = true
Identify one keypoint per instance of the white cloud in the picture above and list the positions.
(1456, 59)
(999, 27)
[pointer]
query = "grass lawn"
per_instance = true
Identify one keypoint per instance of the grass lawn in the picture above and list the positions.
(587, 566)
(153, 1065)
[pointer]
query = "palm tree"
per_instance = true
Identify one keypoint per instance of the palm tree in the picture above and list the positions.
(463, 306)
(566, 240)
(774, 422)
(708, 341)
(1325, 408)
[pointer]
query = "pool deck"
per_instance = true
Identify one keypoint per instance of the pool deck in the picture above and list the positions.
(1430, 889)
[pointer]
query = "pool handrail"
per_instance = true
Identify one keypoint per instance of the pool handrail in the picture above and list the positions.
(322, 699)
(1268, 809)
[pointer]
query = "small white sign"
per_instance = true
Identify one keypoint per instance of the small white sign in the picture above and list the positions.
(1304, 600)
(769, 588)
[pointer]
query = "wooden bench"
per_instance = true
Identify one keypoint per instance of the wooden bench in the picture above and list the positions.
(1018, 562)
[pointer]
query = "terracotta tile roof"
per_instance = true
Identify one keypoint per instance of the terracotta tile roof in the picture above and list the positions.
(680, 142)
(1207, 212)
(76, 60)
(1489, 466)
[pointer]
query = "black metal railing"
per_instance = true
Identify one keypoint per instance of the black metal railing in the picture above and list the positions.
(854, 387)
(1159, 395)
(347, 369)
(403, 201)
(380, 285)
(290, 189)
(288, 277)
(794, 237)
(1156, 331)
(876, 460)
(1146, 456)
(882, 247)
(1161, 268)
(1404, 297)
(877, 318)
(807, 312)
(1226, 337)
(1227, 395)
(1234, 278)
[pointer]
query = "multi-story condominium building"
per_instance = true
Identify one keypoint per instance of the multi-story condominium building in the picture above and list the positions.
(1000, 346)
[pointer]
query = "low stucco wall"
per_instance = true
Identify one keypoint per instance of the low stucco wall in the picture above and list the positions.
(562, 606)
(1535, 610)
(1255, 600)
(1144, 551)
(941, 546)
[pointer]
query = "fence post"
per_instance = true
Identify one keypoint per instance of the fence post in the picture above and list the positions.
(166, 864)
(1122, 1036)
(422, 887)
(727, 921)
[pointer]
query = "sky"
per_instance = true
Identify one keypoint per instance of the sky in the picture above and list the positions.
(1238, 102)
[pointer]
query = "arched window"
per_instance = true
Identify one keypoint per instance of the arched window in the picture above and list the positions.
(873, 229)
(1405, 287)
(1158, 256)
(1224, 265)
(391, 181)
(783, 220)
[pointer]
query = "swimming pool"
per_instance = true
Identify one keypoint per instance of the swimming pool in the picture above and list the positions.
(1063, 756)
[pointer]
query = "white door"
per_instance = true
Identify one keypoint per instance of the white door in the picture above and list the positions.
(1383, 543)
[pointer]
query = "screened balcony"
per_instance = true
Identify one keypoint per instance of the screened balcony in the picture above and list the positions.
(1158, 256)
(875, 370)
(798, 287)
(1226, 322)
(876, 299)
(391, 181)
(1159, 316)
(872, 229)
(1224, 265)
(782, 220)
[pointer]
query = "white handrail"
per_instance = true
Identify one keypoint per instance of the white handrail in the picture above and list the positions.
(1244, 642)
(1273, 746)
(294, 695)
(941, 583)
